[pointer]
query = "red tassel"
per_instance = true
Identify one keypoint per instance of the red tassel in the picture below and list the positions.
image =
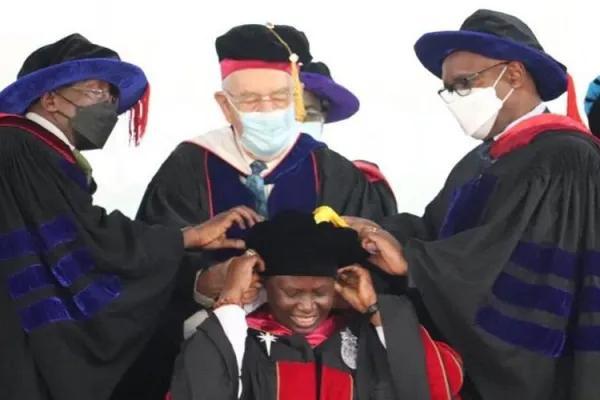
(572, 110)
(138, 118)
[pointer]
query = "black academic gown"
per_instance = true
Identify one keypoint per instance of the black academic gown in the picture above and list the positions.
(506, 261)
(194, 184)
(351, 364)
(81, 289)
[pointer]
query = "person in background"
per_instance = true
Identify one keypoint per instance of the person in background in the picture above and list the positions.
(260, 160)
(81, 289)
(592, 106)
(506, 256)
(326, 102)
(296, 346)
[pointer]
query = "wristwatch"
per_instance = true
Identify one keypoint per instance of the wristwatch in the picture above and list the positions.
(371, 310)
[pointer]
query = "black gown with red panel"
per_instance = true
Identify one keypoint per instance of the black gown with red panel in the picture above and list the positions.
(344, 359)
(81, 290)
(195, 183)
(378, 180)
(506, 261)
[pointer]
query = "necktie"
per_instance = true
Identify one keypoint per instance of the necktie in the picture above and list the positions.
(484, 153)
(83, 164)
(256, 184)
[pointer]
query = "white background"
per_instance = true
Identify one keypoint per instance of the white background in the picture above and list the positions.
(402, 124)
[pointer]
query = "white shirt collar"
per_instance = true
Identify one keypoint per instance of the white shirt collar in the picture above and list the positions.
(539, 109)
(49, 126)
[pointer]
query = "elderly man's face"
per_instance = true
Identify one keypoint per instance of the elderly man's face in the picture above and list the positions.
(254, 90)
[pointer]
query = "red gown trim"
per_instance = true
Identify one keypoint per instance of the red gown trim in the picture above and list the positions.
(263, 320)
(444, 369)
(19, 122)
(526, 131)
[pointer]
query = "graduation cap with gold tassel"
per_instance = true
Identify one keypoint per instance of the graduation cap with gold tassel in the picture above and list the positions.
(295, 243)
(269, 46)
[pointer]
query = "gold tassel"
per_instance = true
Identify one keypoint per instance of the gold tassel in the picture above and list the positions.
(328, 214)
(298, 88)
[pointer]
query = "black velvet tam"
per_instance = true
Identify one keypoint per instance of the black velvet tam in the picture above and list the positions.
(70, 48)
(257, 42)
(293, 244)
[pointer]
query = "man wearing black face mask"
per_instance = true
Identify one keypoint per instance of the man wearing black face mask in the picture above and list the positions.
(81, 289)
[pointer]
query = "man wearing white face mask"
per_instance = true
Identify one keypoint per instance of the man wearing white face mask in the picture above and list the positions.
(326, 102)
(506, 257)
(260, 160)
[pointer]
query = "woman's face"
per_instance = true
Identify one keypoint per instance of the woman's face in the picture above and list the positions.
(300, 302)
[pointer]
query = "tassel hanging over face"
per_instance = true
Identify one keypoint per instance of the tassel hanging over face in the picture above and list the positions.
(298, 88)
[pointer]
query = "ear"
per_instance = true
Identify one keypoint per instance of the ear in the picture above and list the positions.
(225, 106)
(48, 102)
(516, 74)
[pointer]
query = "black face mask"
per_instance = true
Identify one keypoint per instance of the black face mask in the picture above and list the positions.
(93, 125)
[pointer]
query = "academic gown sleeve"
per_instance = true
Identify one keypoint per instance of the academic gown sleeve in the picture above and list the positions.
(82, 289)
(512, 280)
(178, 196)
(207, 368)
(410, 364)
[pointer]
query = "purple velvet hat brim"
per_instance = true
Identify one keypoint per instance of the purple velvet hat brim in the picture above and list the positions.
(128, 78)
(342, 103)
(550, 76)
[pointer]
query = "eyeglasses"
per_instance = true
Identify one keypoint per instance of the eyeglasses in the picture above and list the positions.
(463, 85)
(98, 95)
(251, 101)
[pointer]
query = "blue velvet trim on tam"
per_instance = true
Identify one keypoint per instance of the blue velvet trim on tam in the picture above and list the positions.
(549, 75)
(467, 205)
(294, 181)
(128, 78)
(63, 273)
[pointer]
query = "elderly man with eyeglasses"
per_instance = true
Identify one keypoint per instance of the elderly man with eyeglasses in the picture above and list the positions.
(260, 160)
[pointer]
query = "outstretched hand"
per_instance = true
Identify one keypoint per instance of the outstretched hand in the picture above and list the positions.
(211, 234)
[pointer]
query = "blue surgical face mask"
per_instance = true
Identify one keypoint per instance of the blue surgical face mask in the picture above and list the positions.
(313, 128)
(268, 134)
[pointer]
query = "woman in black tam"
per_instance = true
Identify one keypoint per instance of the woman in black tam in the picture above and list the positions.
(296, 346)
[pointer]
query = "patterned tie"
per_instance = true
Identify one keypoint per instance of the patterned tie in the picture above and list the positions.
(83, 164)
(256, 184)
(483, 150)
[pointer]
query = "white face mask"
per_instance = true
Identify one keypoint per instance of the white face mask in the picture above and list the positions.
(477, 112)
(313, 128)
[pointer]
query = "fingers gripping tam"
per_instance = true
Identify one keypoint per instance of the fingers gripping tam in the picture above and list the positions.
(292, 243)
(74, 59)
(279, 47)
